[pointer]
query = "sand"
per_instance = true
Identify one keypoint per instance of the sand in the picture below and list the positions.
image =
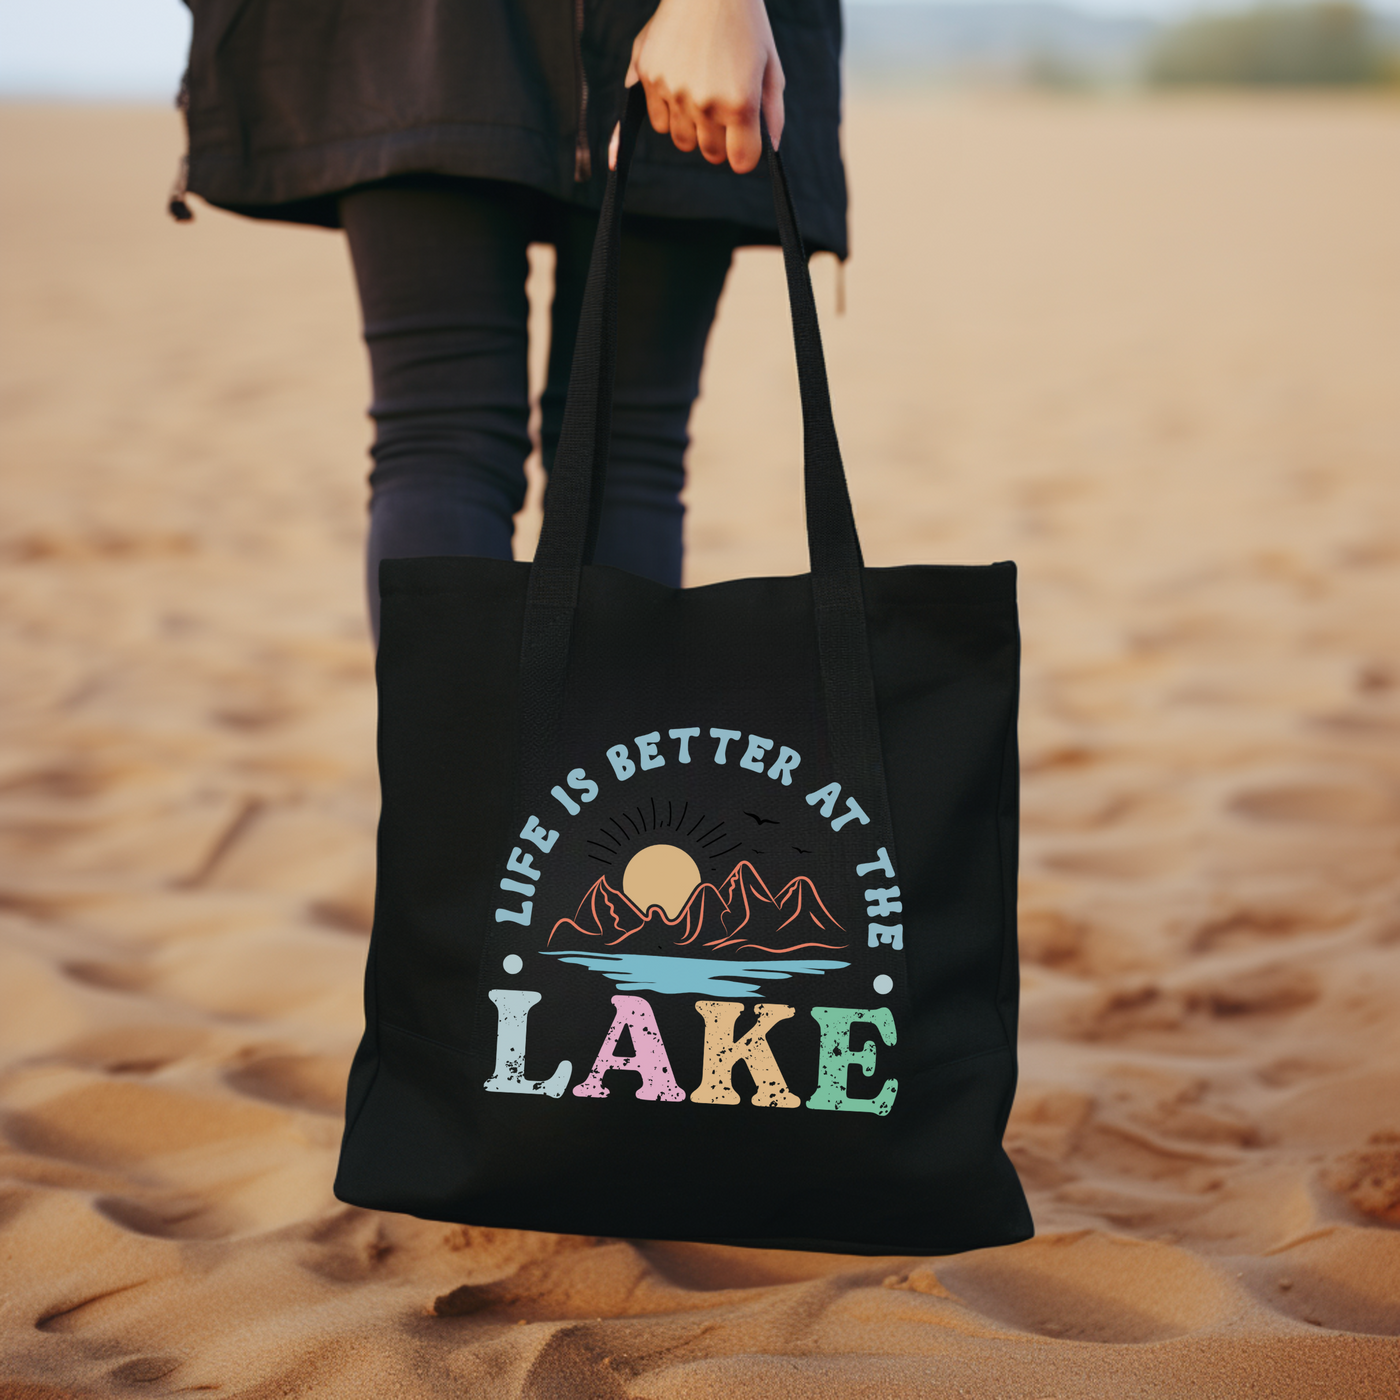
(1150, 350)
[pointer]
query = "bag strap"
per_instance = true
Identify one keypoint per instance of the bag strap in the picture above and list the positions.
(576, 483)
(574, 501)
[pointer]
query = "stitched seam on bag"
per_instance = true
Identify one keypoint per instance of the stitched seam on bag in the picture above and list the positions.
(372, 972)
(369, 1092)
(426, 1039)
(1001, 873)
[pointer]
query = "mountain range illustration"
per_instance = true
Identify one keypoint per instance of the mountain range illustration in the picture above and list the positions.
(740, 913)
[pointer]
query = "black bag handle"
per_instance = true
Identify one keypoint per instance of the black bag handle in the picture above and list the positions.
(576, 483)
(574, 501)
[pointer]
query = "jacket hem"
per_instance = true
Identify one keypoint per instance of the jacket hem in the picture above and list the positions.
(303, 185)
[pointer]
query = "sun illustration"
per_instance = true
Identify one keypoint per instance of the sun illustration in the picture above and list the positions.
(663, 875)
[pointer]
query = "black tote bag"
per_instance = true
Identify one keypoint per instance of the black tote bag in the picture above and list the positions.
(696, 907)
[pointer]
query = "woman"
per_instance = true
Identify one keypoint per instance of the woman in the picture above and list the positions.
(445, 136)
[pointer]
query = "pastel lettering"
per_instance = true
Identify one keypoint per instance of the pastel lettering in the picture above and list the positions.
(881, 862)
(512, 1009)
(722, 1052)
(649, 1060)
(885, 903)
(753, 755)
(583, 785)
(522, 864)
(836, 1059)
(724, 736)
(893, 934)
(685, 736)
(786, 761)
(533, 831)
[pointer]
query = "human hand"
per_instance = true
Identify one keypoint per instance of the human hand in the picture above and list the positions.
(709, 67)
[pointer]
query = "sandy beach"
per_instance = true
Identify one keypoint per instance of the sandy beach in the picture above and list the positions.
(1149, 349)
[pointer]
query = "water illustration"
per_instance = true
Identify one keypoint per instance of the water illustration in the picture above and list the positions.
(719, 977)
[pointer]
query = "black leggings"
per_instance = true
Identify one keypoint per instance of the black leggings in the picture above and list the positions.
(441, 267)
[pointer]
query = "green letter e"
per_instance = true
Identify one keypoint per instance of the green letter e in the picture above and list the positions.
(835, 1059)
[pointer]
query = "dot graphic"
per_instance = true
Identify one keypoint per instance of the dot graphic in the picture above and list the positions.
(513, 964)
(883, 985)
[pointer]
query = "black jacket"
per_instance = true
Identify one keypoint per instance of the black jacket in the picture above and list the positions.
(290, 102)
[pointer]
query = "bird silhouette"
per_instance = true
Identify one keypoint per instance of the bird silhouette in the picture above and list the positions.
(800, 851)
(763, 821)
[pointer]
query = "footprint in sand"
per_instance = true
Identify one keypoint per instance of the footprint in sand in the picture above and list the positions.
(1051, 938)
(1266, 923)
(1318, 804)
(1258, 991)
(167, 1217)
(109, 976)
(314, 1082)
(141, 1370)
(1139, 1008)
(133, 1049)
(118, 1123)
(71, 780)
(46, 546)
(1343, 1279)
(1093, 1287)
(1370, 1178)
(1119, 862)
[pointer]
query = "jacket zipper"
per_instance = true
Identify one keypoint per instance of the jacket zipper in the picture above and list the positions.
(583, 160)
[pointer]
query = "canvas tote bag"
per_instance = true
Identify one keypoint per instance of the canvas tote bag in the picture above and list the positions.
(696, 907)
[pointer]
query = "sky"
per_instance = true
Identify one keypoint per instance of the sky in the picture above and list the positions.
(93, 48)
(135, 49)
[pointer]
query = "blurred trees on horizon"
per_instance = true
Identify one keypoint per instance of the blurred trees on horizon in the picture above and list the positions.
(1056, 44)
(1331, 43)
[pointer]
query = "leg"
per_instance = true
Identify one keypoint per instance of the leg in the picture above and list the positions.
(672, 274)
(441, 267)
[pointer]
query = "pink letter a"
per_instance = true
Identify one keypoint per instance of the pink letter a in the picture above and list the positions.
(650, 1061)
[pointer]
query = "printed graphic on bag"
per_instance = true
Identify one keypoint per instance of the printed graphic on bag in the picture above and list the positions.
(659, 894)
